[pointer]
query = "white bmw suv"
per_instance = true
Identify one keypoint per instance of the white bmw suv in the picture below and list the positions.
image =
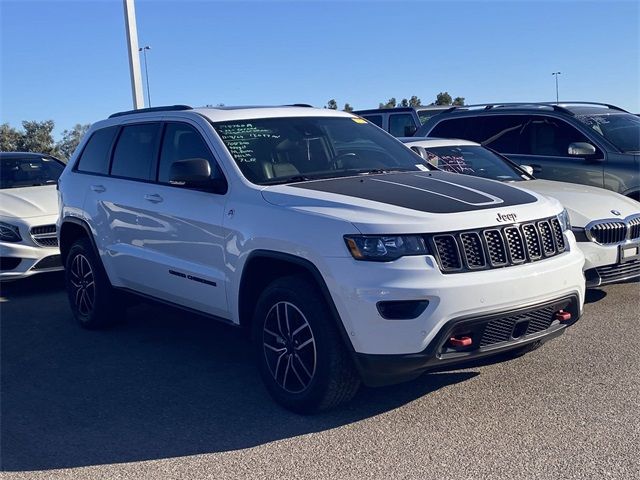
(345, 254)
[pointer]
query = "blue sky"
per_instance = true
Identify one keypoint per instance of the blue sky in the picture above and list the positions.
(67, 61)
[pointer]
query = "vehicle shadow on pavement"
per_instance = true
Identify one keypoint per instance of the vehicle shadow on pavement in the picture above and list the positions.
(163, 384)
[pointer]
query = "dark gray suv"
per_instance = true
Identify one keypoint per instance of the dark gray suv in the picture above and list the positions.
(579, 142)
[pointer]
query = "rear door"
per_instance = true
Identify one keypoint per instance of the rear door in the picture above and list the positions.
(180, 230)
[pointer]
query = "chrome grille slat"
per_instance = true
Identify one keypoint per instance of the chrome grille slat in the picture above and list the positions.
(44, 235)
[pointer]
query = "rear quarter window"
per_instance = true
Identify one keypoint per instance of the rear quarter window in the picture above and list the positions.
(95, 155)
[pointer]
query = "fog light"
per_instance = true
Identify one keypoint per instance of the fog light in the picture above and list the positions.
(402, 310)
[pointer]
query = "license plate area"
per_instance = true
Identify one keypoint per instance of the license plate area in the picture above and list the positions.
(629, 252)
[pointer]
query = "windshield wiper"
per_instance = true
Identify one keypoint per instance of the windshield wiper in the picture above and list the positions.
(292, 179)
(376, 171)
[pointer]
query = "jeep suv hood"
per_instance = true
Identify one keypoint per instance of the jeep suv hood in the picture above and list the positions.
(585, 203)
(398, 201)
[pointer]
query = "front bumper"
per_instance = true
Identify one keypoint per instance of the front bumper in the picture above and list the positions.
(490, 335)
(20, 260)
(357, 287)
(603, 266)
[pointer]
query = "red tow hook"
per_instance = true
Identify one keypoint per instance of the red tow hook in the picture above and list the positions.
(562, 316)
(460, 341)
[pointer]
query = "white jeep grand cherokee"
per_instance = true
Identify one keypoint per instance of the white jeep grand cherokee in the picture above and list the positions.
(343, 252)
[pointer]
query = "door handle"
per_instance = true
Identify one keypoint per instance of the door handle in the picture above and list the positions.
(155, 198)
(98, 188)
(536, 168)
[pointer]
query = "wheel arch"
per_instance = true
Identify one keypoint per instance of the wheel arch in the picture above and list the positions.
(264, 266)
(71, 229)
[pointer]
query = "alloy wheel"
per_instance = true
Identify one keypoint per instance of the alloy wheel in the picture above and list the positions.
(83, 284)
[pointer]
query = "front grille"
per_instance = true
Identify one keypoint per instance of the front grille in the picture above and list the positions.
(608, 232)
(498, 247)
(504, 329)
(52, 261)
(44, 235)
(634, 228)
(619, 272)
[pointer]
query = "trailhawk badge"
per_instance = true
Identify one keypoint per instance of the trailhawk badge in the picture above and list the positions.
(506, 217)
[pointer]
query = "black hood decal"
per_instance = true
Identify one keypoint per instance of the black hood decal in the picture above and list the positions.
(433, 192)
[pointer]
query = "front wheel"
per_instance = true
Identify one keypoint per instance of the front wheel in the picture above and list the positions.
(302, 360)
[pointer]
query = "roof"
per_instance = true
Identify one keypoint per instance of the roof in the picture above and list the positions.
(436, 142)
(403, 109)
(226, 113)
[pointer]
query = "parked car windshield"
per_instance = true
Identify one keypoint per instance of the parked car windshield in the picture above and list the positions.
(621, 129)
(474, 160)
(292, 149)
(29, 171)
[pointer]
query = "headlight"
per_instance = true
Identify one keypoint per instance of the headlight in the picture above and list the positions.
(384, 248)
(564, 220)
(9, 233)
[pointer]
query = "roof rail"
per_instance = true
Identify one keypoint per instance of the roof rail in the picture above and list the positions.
(166, 108)
(559, 107)
(298, 105)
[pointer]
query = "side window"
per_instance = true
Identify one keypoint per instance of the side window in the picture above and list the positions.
(135, 153)
(464, 128)
(95, 156)
(180, 142)
(398, 122)
(375, 119)
(549, 136)
(502, 132)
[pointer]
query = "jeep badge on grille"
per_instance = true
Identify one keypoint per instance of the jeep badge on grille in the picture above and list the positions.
(506, 217)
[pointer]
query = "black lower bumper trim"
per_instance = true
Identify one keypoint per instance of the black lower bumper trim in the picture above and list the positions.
(530, 323)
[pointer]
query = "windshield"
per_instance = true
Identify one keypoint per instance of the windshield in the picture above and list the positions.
(29, 171)
(292, 149)
(473, 160)
(425, 115)
(621, 129)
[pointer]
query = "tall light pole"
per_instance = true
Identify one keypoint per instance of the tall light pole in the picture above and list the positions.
(146, 72)
(555, 74)
(132, 47)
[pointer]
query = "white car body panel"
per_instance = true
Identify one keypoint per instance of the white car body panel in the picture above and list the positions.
(25, 208)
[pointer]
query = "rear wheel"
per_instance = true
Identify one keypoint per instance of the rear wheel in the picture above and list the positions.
(93, 301)
(302, 360)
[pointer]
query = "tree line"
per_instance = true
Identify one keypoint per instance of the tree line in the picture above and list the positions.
(37, 137)
(442, 98)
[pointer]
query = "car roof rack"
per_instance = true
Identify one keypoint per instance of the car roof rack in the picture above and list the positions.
(558, 107)
(166, 108)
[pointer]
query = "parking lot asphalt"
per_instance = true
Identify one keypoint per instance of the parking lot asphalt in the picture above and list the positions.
(171, 395)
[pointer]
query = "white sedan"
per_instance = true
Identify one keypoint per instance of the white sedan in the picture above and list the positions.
(605, 224)
(28, 214)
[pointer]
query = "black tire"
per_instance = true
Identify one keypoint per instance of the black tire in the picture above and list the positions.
(325, 375)
(94, 302)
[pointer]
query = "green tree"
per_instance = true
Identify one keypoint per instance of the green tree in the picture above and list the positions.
(390, 104)
(332, 104)
(458, 101)
(71, 139)
(414, 101)
(10, 138)
(37, 137)
(347, 108)
(443, 98)
(404, 102)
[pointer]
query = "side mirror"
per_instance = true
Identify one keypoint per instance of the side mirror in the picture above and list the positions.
(528, 169)
(581, 149)
(409, 130)
(195, 173)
